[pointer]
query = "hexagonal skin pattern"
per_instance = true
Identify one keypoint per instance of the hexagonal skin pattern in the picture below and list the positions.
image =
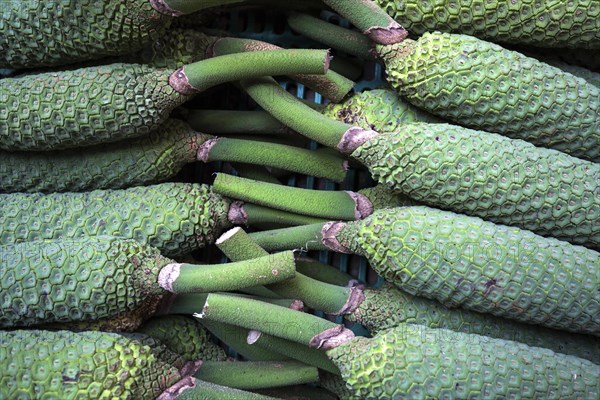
(85, 106)
(415, 362)
(466, 262)
(37, 33)
(380, 109)
(176, 218)
(387, 307)
(503, 180)
(75, 280)
(549, 23)
(36, 364)
(151, 159)
(158, 348)
(484, 86)
(185, 336)
(382, 196)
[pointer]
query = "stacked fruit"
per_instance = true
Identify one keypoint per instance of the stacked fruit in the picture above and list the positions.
(483, 225)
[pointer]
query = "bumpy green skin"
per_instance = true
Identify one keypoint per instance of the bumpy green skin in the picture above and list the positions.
(387, 306)
(75, 280)
(154, 158)
(159, 349)
(466, 262)
(506, 181)
(37, 364)
(381, 196)
(380, 109)
(416, 362)
(590, 76)
(84, 106)
(481, 85)
(75, 31)
(185, 336)
(335, 384)
(176, 218)
(550, 23)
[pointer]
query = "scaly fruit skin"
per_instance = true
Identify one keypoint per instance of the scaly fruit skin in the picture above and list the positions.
(380, 109)
(481, 85)
(416, 362)
(466, 262)
(143, 161)
(503, 180)
(37, 364)
(75, 280)
(158, 348)
(75, 31)
(183, 335)
(550, 23)
(85, 106)
(382, 196)
(176, 218)
(387, 307)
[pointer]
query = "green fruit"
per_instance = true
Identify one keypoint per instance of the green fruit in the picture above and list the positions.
(481, 85)
(176, 218)
(412, 361)
(85, 106)
(65, 365)
(466, 262)
(506, 181)
(150, 159)
(37, 33)
(550, 23)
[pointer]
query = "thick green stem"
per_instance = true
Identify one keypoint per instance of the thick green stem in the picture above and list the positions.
(256, 374)
(371, 19)
(323, 272)
(351, 69)
(307, 237)
(332, 85)
(200, 390)
(255, 172)
(278, 321)
(199, 76)
(190, 278)
(332, 205)
(236, 338)
(187, 304)
(182, 7)
(258, 215)
(290, 111)
(219, 122)
(259, 291)
(332, 35)
(302, 161)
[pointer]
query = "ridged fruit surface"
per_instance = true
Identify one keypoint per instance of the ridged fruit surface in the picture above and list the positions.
(36, 33)
(484, 86)
(549, 23)
(151, 159)
(387, 307)
(85, 106)
(379, 109)
(382, 196)
(176, 218)
(503, 180)
(37, 364)
(416, 362)
(75, 280)
(466, 262)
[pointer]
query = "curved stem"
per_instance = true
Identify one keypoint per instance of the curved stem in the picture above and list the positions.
(256, 374)
(258, 215)
(255, 172)
(188, 304)
(219, 122)
(278, 321)
(200, 390)
(199, 76)
(307, 237)
(332, 35)
(182, 7)
(190, 278)
(332, 205)
(332, 85)
(368, 17)
(322, 272)
(302, 161)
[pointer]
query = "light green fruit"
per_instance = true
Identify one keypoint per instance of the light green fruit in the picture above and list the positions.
(176, 218)
(153, 158)
(549, 23)
(85, 106)
(381, 110)
(36, 33)
(484, 86)
(506, 181)
(415, 362)
(66, 365)
(466, 262)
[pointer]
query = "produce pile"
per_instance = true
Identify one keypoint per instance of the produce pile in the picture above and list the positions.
(186, 211)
